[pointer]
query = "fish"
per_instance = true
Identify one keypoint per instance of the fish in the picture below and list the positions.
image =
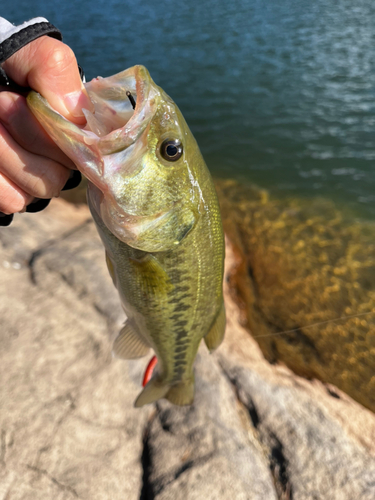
(156, 210)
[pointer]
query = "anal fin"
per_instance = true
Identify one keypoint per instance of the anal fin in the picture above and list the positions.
(215, 336)
(153, 390)
(128, 344)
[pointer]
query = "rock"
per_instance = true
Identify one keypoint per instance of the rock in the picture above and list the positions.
(205, 451)
(67, 423)
(305, 281)
(68, 428)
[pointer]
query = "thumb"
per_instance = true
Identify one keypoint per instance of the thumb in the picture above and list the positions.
(50, 67)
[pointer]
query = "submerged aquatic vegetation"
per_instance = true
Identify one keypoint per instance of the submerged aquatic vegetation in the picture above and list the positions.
(306, 284)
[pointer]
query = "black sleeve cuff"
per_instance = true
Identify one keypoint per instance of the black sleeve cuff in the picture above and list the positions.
(27, 35)
(19, 40)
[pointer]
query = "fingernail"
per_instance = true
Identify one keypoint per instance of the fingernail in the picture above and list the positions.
(75, 101)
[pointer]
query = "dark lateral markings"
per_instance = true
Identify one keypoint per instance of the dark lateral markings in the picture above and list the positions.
(181, 289)
(179, 368)
(181, 334)
(175, 317)
(179, 357)
(181, 323)
(183, 343)
(175, 300)
(185, 296)
(180, 348)
(181, 307)
(178, 371)
(177, 275)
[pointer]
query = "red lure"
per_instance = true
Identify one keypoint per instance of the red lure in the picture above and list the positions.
(149, 370)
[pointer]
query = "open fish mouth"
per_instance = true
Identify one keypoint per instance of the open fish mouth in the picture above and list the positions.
(123, 108)
(113, 127)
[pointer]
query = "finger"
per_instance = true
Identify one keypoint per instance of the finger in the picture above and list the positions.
(50, 67)
(12, 198)
(26, 130)
(36, 175)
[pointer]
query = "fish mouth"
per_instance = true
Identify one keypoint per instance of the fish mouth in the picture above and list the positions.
(123, 108)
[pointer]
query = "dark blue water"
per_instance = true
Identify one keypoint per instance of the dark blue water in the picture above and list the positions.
(278, 92)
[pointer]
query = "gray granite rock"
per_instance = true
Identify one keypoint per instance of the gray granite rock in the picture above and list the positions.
(205, 451)
(68, 428)
(310, 453)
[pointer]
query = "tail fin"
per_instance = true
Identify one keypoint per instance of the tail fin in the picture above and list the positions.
(180, 394)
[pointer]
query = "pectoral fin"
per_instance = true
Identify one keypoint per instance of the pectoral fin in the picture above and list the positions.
(111, 268)
(129, 345)
(215, 336)
(151, 276)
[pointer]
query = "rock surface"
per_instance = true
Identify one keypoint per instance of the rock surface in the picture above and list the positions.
(68, 428)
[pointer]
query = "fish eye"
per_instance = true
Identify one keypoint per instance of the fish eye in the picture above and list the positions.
(171, 149)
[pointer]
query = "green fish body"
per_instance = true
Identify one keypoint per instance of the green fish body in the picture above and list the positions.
(156, 210)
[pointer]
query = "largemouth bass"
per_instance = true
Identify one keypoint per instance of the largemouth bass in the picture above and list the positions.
(156, 210)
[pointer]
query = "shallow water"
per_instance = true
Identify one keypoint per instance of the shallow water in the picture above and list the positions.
(280, 93)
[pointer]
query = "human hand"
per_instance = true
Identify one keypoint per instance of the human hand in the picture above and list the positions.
(31, 165)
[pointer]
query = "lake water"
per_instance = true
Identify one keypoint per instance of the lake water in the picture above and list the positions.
(280, 93)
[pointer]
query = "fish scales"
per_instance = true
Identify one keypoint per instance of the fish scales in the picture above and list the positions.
(156, 210)
(172, 317)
